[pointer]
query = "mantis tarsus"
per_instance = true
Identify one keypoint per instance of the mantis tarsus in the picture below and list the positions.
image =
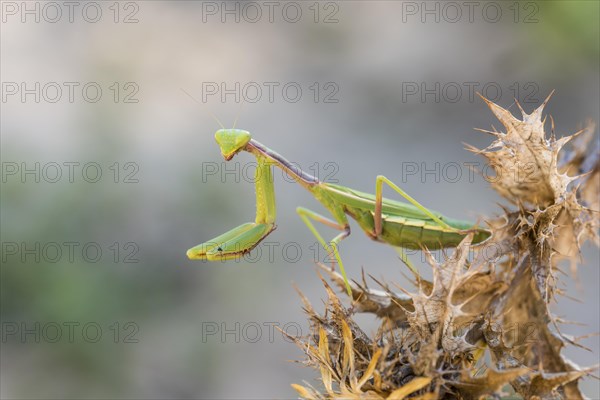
(410, 226)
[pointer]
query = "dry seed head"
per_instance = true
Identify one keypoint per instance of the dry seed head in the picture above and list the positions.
(481, 327)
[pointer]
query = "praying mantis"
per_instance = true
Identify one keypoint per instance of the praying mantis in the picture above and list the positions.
(402, 225)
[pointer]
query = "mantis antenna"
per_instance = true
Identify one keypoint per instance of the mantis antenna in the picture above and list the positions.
(239, 113)
(208, 111)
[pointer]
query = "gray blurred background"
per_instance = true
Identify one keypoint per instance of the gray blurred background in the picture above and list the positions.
(98, 298)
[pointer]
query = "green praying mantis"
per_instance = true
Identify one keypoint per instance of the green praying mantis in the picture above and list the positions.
(402, 225)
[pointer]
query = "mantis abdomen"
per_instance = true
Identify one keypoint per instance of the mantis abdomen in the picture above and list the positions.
(415, 234)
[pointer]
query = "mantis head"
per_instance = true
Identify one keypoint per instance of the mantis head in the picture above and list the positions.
(231, 141)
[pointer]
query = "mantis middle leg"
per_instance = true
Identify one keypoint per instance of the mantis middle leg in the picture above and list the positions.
(307, 215)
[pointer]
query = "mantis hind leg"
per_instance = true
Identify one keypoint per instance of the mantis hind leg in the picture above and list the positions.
(406, 261)
(308, 215)
(379, 202)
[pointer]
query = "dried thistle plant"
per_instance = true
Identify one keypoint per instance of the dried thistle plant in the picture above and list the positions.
(466, 333)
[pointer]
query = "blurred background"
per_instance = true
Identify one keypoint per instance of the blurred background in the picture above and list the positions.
(110, 172)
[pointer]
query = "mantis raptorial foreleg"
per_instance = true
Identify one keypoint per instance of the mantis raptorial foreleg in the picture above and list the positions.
(307, 215)
(245, 237)
(380, 180)
(232, 244)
